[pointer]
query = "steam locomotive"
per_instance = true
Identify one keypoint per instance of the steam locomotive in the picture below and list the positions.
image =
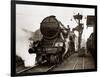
(51, 47)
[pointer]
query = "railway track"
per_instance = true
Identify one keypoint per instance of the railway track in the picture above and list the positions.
(19, 64)
(44, 67)
(21, 69)
(37, 68)
(83, 63)
(78, 64)
(75, 64)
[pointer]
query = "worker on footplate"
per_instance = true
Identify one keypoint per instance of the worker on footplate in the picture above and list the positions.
(70, 41)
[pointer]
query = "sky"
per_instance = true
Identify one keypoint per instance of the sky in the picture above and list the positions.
(29, 17)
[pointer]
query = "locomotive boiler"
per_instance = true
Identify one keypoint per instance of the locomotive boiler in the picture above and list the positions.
(51, 47)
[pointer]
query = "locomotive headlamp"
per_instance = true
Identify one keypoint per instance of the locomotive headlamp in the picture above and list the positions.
(59, 44)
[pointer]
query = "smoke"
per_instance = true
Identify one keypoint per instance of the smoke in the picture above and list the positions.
(22, 46)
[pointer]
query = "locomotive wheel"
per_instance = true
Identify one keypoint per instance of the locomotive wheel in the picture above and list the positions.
(58, 59)
(39, 59)
(53, 59)
(48, 58)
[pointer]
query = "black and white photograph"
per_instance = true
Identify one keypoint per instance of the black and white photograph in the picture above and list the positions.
(54, 39)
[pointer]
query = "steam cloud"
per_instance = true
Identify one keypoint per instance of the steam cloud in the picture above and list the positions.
(22, 46)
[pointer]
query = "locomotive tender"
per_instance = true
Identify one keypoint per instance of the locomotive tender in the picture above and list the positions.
(51, 47)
